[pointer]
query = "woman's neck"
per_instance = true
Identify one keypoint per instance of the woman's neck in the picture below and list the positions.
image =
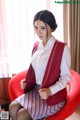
(45, 41)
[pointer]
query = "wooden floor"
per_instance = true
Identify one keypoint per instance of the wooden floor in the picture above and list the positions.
(75, 115)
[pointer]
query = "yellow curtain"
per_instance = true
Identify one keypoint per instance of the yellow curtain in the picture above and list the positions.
(71, 19)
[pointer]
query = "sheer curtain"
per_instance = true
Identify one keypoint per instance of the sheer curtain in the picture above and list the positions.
(3, 42)
(57, 10)
(17, 33)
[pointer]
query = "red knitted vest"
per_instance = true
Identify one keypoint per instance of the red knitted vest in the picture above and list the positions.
(51, 75)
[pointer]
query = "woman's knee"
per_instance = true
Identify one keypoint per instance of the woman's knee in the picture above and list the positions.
(14, 106)
(23, 114)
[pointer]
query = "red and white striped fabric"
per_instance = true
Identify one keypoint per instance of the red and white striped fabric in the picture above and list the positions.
(36, 106)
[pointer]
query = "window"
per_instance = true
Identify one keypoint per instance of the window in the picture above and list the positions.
(19, 33)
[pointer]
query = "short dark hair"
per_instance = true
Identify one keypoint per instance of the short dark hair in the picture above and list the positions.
(47, 17)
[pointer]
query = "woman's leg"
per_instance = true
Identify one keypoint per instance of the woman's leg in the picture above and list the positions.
(23, 114)
(13, 108)
(17, 112)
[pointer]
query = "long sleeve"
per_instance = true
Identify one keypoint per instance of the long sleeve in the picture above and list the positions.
(65, 72)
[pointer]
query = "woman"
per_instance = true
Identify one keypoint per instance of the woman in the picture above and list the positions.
(48, 74)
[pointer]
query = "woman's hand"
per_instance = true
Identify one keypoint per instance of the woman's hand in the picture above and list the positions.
(45, 93)
(23, 84)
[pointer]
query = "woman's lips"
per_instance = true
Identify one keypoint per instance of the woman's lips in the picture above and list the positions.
(40, 36)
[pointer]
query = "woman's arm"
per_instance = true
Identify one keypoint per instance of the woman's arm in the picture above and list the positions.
(65, 74)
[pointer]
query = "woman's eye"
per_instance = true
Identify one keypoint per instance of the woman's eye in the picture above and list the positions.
(43, 28)
(35, 27)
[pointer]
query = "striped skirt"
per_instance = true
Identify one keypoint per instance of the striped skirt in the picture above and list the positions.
(36, 106)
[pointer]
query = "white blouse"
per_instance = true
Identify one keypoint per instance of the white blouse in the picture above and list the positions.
(39, 63)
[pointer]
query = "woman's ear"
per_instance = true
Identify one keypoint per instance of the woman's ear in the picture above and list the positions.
(52, 30)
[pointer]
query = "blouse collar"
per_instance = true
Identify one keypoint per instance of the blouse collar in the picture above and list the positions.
(50, 42)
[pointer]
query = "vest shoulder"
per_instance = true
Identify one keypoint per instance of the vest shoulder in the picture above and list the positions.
(61, 43)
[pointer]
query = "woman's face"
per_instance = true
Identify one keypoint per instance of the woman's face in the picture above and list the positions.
(43, 31)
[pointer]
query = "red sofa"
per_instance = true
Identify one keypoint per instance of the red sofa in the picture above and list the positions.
(73, 96)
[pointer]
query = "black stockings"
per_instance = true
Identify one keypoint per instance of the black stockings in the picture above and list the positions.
(17, 112)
